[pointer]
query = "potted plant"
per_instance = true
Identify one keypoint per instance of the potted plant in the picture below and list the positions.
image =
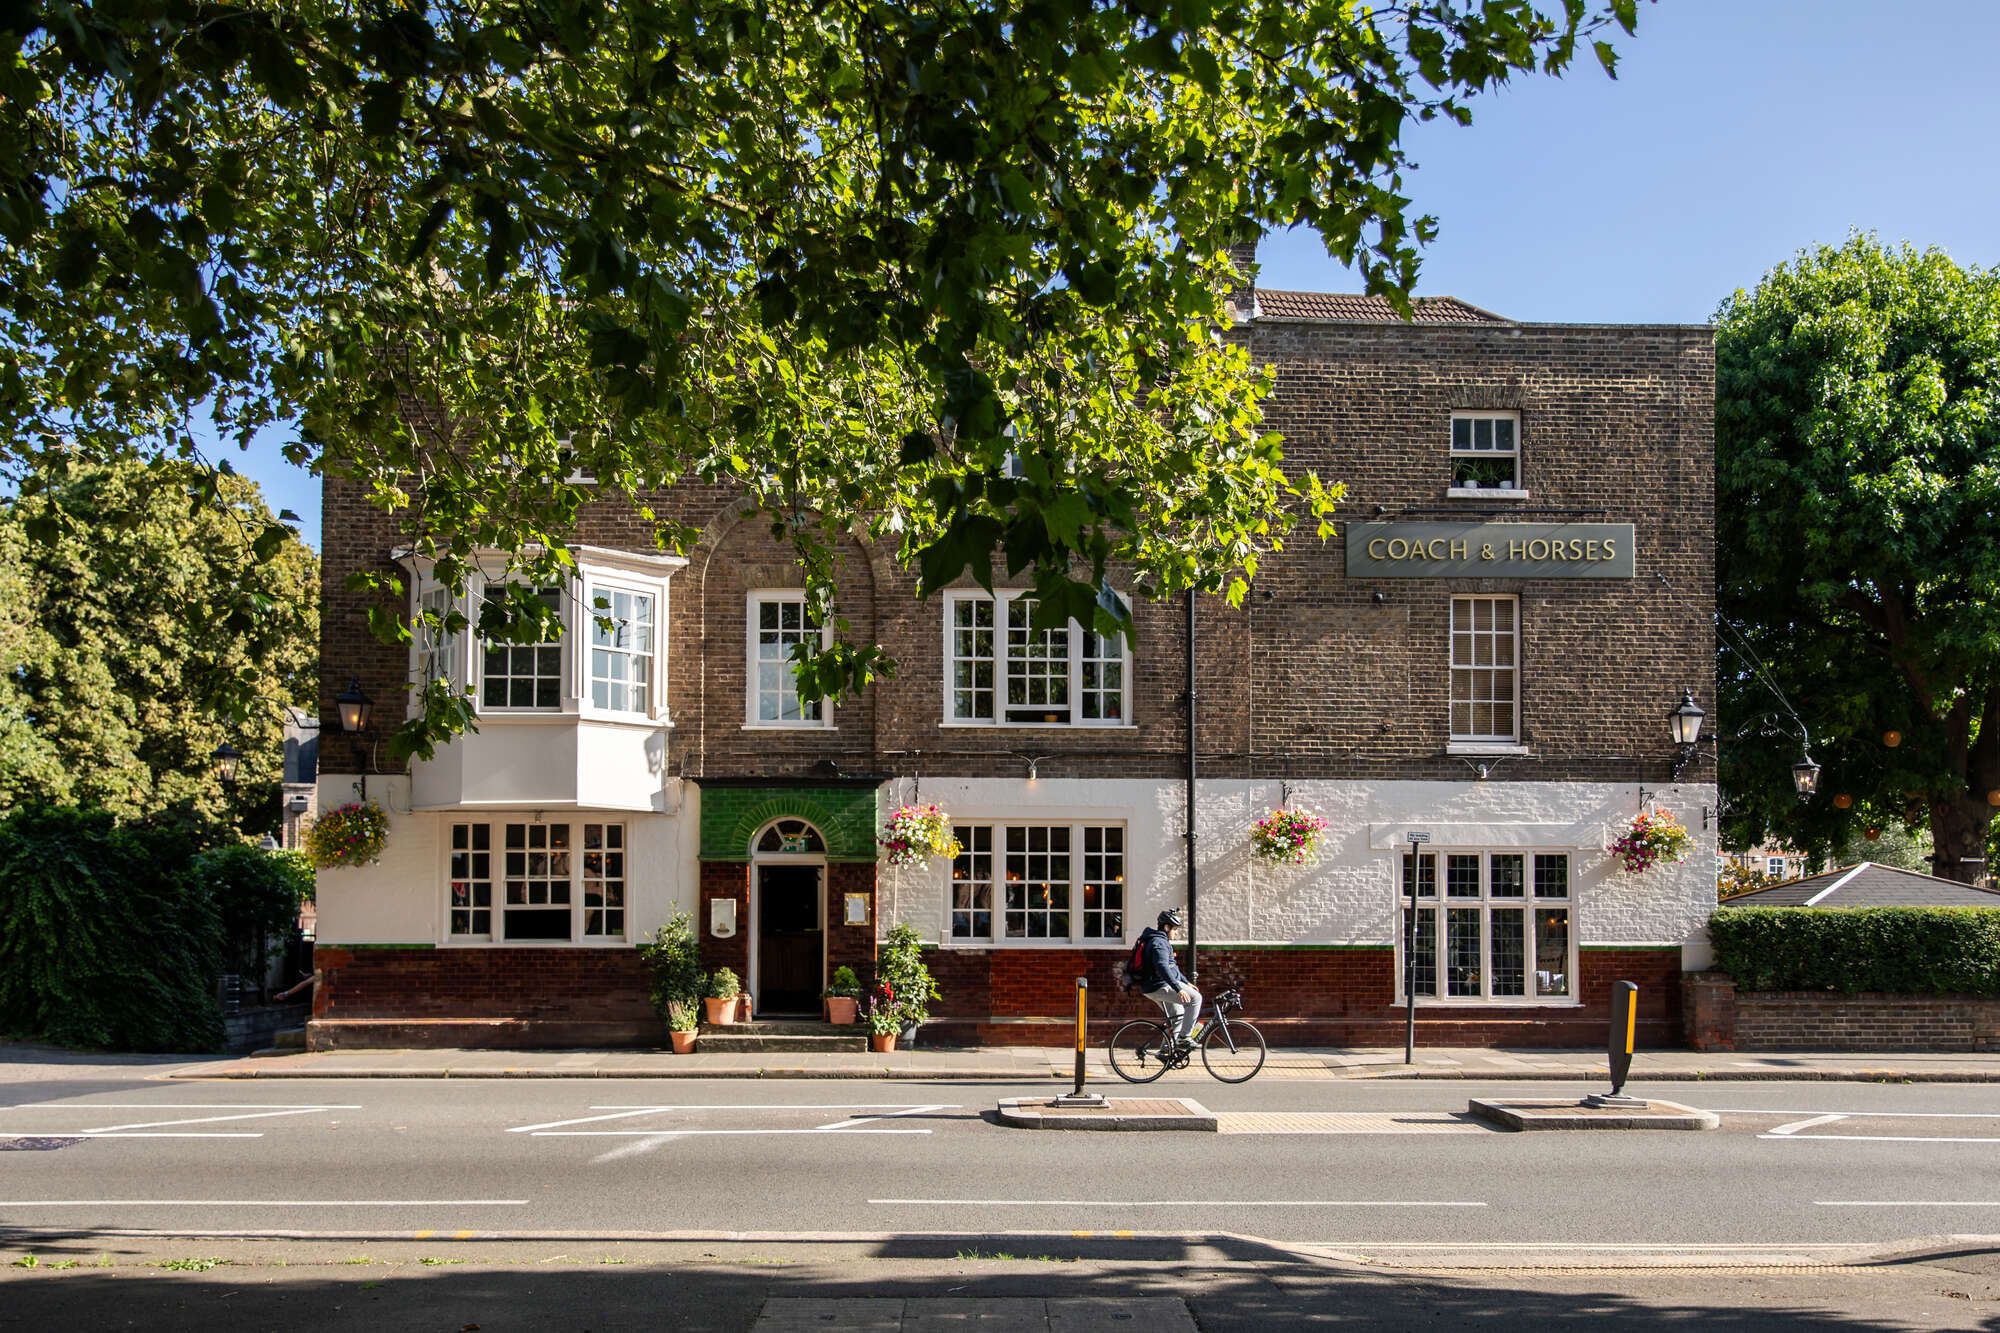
(682, 1021)
(723, 988)
(916, 833)
(885, 1019)
(1288, 837)
(1653, 836)
(843, 997)
(673, 958)
(900, 970)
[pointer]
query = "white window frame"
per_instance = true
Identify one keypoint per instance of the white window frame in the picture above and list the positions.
(1440, 900)
(1774, 866)
(1004, 601)
(1472, 416)
(1079, 880)
(579, 880)
(752, 641)
(655, 650)
(1453, 666)
(565, 673)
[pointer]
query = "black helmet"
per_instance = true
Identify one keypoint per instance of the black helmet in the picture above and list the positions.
(1170, 919)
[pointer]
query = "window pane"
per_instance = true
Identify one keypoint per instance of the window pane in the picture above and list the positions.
(1104, 882)
(1037, 667)
(1426, 878)
(972, 884)
(1461, 875)
(1551, 875)
(1038, 882)
(1424, 978)
(1509, 952)
(1462, 951)
(1508, 881)
(783, 624)
(1552, 951)
(1482, 669)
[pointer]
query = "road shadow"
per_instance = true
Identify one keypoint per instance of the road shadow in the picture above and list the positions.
(1230, 1285)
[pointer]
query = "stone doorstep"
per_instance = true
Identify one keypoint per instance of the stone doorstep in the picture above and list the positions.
(1117, 1113)
(1568, 1113)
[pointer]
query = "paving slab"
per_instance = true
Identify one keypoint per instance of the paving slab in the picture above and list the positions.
(1568, 1113)
(1116, 1113)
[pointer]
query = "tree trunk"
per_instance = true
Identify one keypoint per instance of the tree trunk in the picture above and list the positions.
(1959, 830)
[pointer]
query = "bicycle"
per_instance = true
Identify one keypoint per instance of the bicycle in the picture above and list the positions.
(1231, 1050)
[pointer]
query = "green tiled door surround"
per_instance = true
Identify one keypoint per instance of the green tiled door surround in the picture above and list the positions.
(845, 816)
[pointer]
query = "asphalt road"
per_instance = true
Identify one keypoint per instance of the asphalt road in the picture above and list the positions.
(100, 1150)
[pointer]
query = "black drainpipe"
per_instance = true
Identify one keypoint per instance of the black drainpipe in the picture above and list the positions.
(1194, 966)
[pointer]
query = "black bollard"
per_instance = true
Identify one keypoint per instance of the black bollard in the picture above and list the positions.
(1618, 1046)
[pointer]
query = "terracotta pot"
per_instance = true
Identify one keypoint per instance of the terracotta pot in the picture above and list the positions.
(881, 1044)
(683, 1042)
(842, 1010)
(721, 1013)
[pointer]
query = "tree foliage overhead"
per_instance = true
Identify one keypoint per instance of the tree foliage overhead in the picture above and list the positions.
(132, 599)
(1858, 547)
(847, 256)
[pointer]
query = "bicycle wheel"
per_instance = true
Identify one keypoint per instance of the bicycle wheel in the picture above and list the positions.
(1233, 1051)
(1135, 1051)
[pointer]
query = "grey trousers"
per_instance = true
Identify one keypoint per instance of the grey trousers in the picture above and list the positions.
(1184, 1014)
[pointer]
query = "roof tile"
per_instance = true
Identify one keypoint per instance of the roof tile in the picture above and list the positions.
(1354, 308)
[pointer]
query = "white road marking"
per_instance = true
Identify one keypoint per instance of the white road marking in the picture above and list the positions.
(559, 1129)
(102, 1134)
(870, 1119)
(1907, 1203)
(206, 1119)
(1572, 1245)
(657, 1133)
(173, 1106)
(263, 1203)
(1869, 1138)
(585, 1120)
(1193, 1203)
(133, 1129)
(1797, 1125)
(1878, 1115)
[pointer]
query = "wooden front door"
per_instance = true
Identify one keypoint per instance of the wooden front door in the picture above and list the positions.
(791, 940)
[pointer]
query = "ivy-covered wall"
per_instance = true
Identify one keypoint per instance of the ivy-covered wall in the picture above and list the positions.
(845, 816)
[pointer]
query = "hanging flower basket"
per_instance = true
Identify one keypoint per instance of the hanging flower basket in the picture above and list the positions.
(915, 833)
(1288, 837)
(349, 835)
(1655, 836)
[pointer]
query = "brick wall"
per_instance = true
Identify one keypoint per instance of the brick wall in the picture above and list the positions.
(511, 996)
(1297, 997)
(1724, 1018)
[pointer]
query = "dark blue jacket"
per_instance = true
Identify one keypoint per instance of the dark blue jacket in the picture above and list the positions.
(1161, 970)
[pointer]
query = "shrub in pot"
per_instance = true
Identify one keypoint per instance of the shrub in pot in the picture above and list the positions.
(673, 962)
(843, 997)
(885, 1018)
(900, 970)
(682, 1022)
(721, 1000)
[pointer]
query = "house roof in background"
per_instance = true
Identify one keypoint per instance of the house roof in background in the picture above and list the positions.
(1353, 308)
(1867, 885)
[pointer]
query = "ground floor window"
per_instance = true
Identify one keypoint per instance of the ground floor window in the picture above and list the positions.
(546, 891)
(1037, 881)
(1500, 930)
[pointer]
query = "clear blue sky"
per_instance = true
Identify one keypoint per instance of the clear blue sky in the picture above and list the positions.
(1737, 132)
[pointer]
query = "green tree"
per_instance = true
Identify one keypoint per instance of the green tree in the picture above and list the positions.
(846, 257)
(139, 608)
(1858, 548)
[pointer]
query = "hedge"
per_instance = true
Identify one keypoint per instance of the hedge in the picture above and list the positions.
(106, 940)
(1897, 950)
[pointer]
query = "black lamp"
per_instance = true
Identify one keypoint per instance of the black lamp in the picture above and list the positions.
(354, 706)
(1685, 724)
(227, 757)
(1805, 777)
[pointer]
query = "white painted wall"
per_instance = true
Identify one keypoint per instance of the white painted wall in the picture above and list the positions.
(548, 759)
(400, 899)
(1349, 897)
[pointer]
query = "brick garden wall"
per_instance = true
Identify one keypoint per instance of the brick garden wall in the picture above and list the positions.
(1722, 1018)
(472, 997)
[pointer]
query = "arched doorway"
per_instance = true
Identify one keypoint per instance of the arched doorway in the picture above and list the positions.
(787, 918)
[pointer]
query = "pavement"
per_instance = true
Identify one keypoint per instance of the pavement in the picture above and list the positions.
(1016, 1063)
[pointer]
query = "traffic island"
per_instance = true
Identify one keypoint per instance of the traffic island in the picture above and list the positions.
(1116, 1113)
(1570, 1113)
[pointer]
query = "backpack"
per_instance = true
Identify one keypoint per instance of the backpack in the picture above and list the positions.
(1135, 966)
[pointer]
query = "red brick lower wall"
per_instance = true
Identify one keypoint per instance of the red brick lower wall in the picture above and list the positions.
(1726, 1019)
(481, 997)
(1296, 996)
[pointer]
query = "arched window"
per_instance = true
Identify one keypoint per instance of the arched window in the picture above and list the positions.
(793, 836)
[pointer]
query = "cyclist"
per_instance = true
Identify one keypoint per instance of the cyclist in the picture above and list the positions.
(1163, 984)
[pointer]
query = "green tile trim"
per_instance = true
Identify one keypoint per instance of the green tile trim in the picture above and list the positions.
(845, 816)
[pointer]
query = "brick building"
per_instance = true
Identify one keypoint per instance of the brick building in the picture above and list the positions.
(1520, 590)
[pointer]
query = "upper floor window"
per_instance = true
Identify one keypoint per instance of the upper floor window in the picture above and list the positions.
(1485, 669)
(1001, 670)
(1486, 451)
(621, 649)
(523, 675)
(779, 623)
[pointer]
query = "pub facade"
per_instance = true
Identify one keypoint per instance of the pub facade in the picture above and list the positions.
(1519, 594)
